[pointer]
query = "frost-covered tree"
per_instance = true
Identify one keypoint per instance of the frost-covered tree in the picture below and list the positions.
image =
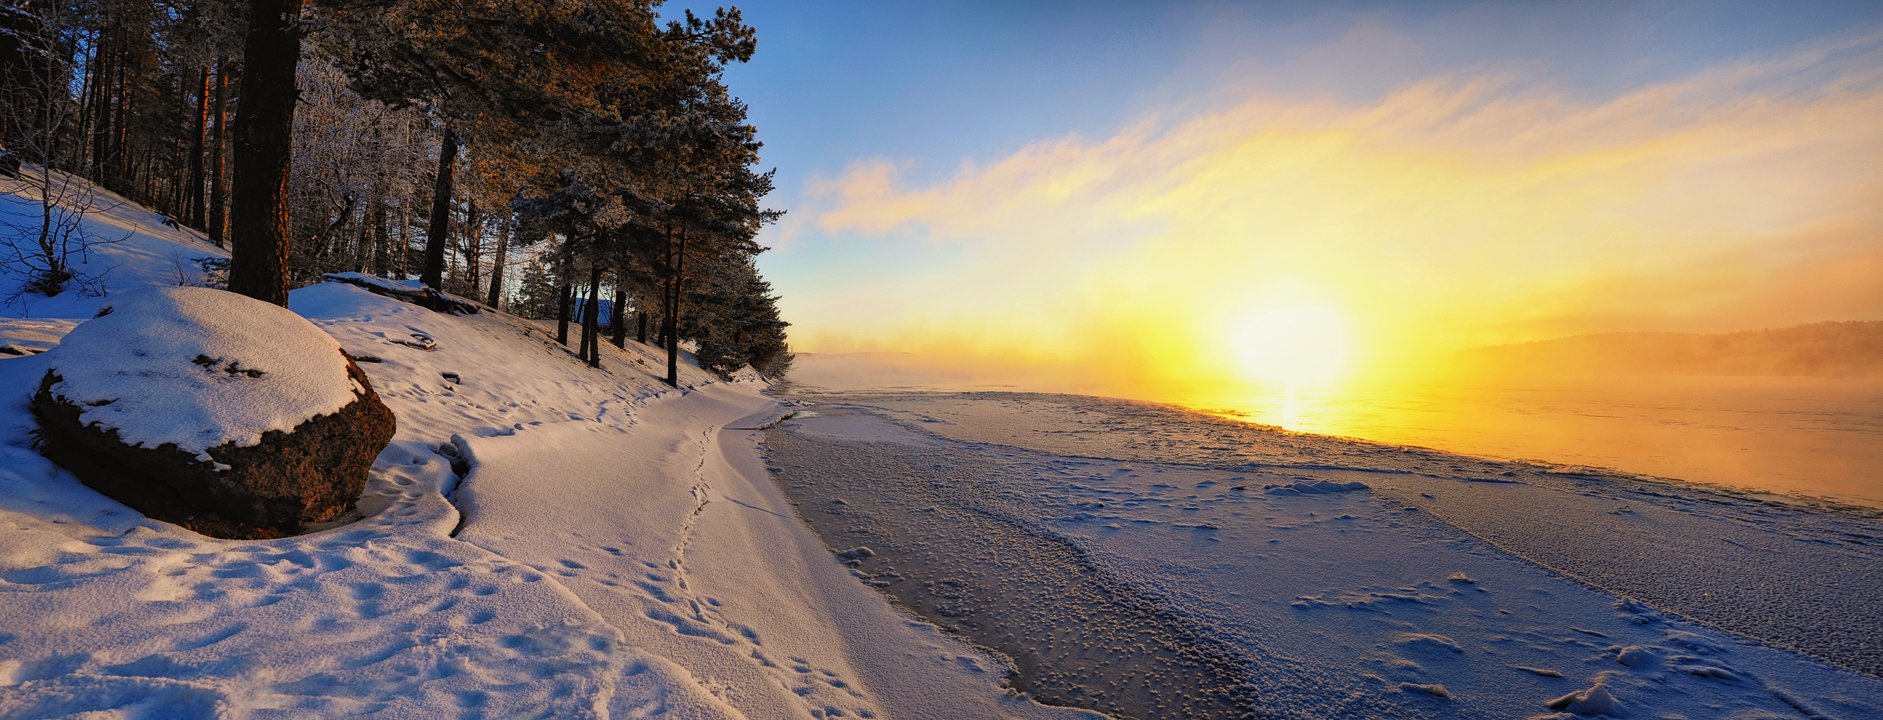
(715, 217)
(586, 222)
(423, 135)
(35, 63)
(37, 114)
(736, 320)
(536, 292)
(494, 176)
(197, 39)
(672, 155)
(491, 71)
(138, 80)
(358, 164)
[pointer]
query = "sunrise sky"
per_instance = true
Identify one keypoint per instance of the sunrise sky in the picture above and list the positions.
(1158, 195)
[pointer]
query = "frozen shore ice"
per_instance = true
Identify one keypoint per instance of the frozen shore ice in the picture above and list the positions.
(1344, 602)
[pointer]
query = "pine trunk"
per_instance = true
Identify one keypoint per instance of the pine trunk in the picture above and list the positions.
(496, 263)
(666, 326)
(433, 273)
(218, 113)
(564, 298)
(101, 112)
(177, 188)
(193, 188)
(382, 240)
(673, 313)
(405, 237)
(591, 318)
(119, 177)
(617, 319)
(473, 246)
(88, 88)
(258, 267)
(581, 326)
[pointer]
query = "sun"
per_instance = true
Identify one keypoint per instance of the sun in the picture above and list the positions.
(1291, 345)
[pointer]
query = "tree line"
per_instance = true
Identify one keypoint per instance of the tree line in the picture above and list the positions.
(590, 149)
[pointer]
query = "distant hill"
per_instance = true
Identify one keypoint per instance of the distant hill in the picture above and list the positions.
(1827, 349)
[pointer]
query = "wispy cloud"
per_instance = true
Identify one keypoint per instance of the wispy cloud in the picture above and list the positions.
(1458, 210)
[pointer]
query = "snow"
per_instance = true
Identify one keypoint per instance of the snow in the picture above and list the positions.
(409, 290)
(25, 337)
(618, 554)
(546, 539)
(1593, 700)
(139, 251)
(525, 612)
(199, 368)
(682, 541)
(391, 285)
(1427, 592)
(1741, 558)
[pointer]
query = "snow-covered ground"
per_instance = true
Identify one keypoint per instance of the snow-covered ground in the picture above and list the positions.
(1340, 578)
(612, 550)
(545, 539)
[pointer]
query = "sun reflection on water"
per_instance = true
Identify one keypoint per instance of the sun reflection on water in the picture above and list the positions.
(1815, 436)
(1300, 407)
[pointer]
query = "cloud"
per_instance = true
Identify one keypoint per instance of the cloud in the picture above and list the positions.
(1462, 209)
(998, 199)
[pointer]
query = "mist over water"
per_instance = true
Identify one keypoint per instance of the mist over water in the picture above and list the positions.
(1820, 437)
(1815, 436)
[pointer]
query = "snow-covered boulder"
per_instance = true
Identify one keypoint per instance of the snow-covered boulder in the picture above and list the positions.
(227, 415)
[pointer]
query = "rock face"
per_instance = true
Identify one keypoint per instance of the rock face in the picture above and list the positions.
(229, 416)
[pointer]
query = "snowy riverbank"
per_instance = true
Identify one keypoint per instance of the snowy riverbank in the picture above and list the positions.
(541, 539)
(617, 554)
(1318, 577)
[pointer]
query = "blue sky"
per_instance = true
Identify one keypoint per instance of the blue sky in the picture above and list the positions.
(936, 83)
(922, 104)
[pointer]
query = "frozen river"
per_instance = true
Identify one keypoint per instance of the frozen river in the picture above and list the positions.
(1818, 437)
(1147, 561)
(1813, 437)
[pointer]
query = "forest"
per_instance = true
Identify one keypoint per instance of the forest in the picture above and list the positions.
(581, 160)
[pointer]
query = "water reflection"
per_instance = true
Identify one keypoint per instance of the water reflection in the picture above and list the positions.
(1817, 436)
(1820, 437)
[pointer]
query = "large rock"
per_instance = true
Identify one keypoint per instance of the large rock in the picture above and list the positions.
(411, 291)
(227, 415)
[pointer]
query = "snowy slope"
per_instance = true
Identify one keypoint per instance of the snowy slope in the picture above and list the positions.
(565, 591)
(137, 250)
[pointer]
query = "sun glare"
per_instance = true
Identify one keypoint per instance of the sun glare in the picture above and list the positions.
(1296, 345)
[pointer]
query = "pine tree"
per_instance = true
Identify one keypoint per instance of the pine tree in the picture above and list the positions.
(586, 133)
(536, 293)
(264, 127)
(490, 72)
(355, 161)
